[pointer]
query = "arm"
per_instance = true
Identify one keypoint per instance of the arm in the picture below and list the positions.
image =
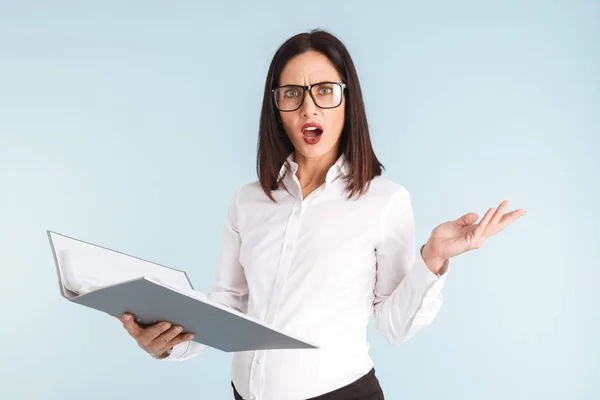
(230, 287)
(407, 293)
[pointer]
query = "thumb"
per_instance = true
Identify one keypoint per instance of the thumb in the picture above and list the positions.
(467, 219)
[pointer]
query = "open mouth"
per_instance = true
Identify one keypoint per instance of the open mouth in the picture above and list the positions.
(312, 133)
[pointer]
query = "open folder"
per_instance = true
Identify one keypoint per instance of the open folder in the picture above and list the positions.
(115, 283)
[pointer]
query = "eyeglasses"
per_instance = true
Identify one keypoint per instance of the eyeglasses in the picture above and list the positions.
(324, 95)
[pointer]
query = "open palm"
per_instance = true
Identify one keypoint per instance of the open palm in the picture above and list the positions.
(455, 237)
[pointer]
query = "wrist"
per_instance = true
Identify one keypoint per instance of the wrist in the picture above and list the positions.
(162, 355)
(434, 263)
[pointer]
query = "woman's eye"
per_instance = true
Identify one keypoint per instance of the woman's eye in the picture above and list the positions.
(325, 90)
(291, 93)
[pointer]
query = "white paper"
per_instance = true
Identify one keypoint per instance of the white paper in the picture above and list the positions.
(86, 267)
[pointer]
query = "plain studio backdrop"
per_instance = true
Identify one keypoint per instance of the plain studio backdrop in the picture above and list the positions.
(132, 125)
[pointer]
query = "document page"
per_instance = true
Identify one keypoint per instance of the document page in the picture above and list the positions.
(85, 267)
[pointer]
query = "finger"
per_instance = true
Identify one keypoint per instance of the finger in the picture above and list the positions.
(125, 317)
(483, 223)
(184, 337)
(167, 340)
(169, 334)
(495, 218)
(152, 332)
(467, 219)
(130, 325)
(507, 219)
(161, 342)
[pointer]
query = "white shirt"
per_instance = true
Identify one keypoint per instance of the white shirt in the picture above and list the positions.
(319, 267)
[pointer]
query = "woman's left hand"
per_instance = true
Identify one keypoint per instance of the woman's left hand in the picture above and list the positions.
(455, 237)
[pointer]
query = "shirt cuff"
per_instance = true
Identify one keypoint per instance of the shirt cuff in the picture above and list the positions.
(422, 275)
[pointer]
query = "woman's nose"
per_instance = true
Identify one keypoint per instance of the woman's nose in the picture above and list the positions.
(308, 105)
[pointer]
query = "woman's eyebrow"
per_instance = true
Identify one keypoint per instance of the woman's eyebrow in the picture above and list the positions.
(312, 83)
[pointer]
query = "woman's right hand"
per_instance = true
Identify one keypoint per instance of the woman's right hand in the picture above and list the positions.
(155, 339)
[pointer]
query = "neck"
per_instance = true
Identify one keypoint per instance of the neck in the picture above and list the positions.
(313, 171)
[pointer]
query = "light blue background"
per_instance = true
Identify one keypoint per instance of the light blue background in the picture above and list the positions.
(131, 126)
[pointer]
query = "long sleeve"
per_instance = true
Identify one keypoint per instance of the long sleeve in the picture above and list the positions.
(230, 287)
(407, 294)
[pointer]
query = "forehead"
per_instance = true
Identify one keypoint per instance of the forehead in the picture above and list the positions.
(308, 68)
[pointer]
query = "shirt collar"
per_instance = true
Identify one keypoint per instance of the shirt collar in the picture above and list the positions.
(341, 167)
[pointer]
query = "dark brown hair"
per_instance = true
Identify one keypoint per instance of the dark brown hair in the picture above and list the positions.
(274, 146)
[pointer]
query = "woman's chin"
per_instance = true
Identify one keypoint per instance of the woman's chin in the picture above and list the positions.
(313, 151)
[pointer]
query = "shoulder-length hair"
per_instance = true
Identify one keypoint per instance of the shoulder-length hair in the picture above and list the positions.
(274, 146)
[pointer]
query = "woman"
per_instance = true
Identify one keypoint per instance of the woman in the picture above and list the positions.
(322, 242)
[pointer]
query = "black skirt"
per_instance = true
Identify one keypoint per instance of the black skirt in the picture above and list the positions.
(364, 388)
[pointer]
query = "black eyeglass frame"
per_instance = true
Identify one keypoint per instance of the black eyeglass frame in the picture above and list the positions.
(304, 89)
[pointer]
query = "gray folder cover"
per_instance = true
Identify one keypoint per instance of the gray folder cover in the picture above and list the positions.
(151, 300)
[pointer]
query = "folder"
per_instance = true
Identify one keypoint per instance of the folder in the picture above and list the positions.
(114, 282)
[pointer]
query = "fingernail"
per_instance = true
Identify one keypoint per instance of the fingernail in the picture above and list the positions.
(165, 326)
(178, 329)
(127, 317)
(190, 337)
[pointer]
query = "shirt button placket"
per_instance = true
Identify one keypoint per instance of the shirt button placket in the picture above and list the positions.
(285, 259)
(256, 374)
(256, 378)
